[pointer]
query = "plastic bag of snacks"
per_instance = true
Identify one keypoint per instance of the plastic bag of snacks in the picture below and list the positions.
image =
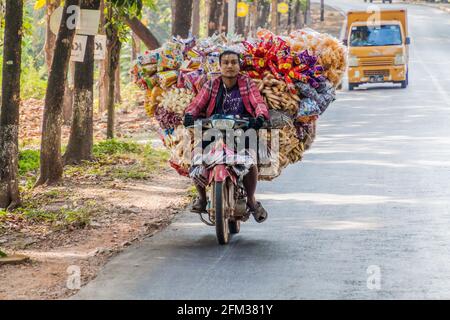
(171, 56)
(149, 57)
(168, 78)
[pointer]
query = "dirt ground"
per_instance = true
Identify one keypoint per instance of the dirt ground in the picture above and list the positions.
(333, 20)
(128, 212)
(129, 122)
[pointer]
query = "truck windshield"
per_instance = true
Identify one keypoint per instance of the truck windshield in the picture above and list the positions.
(385, 35)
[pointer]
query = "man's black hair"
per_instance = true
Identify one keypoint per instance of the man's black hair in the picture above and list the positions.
(228, 53)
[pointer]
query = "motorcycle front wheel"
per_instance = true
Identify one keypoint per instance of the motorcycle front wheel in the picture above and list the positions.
(220, 206)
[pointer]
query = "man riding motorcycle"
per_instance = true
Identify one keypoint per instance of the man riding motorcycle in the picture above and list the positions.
(237, 95)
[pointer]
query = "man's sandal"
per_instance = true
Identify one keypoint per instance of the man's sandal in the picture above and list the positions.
(260, 214)
(198, 206)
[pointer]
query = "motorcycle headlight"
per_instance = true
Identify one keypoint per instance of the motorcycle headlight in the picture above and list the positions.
(352, 61)
(223, 124)
(400, 59)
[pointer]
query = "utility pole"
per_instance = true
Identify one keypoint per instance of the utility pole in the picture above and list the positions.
(231, 16)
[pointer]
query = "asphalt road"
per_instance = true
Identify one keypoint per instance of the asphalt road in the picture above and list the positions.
(369, 202)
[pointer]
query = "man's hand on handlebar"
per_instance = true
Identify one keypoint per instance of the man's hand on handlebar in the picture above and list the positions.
(256, 123)
(188, 120)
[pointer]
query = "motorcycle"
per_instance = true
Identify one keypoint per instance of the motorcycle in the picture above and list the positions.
(227, 198)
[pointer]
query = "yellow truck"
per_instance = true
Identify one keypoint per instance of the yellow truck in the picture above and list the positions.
(378, 45)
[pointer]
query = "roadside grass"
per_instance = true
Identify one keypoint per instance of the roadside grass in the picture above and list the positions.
(122, 160)
(57, 206)
(192, 193)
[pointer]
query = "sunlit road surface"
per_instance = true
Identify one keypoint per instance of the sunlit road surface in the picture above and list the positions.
(364, 216)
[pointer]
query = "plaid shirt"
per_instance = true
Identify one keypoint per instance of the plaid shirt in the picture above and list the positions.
(204, 103)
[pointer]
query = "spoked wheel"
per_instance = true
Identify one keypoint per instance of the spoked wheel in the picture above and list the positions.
(220, 206)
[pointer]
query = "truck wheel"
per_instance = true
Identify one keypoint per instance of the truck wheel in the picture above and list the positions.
(405, 83)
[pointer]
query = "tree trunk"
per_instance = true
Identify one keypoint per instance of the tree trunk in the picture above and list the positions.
(135, 47)
(181, 17)
(307, 18)
(103, 64)
(215, 9)
(117, 94)
(264, 14)
(81, 138)
(114, 46)
(274, 16)
(143, 33)
(196, 18)
(297, 16)
(102, 85)
(9, 119)
(68, 104)
(51, 168)
(254, 17)
(240, 25)
(68, 95)
(50, 38)
(224, 17)
(290, 16)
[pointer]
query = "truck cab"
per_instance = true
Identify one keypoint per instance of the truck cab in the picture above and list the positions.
(378, 49)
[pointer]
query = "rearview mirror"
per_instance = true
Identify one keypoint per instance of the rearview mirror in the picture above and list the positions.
(408, 40)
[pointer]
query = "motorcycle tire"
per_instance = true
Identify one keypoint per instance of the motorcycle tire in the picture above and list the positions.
(220, 201)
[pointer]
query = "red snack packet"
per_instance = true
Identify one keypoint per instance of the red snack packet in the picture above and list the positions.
(254, 74)
(181, 171)
(181, 80)
(290, 84)
(259, 64)
(286, 64)
(274, 70)
(198, 85)
(300, 68)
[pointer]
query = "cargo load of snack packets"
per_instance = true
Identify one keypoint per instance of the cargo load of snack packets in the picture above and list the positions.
(297, 76)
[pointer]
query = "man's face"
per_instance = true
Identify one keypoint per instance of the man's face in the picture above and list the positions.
(230, 66)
